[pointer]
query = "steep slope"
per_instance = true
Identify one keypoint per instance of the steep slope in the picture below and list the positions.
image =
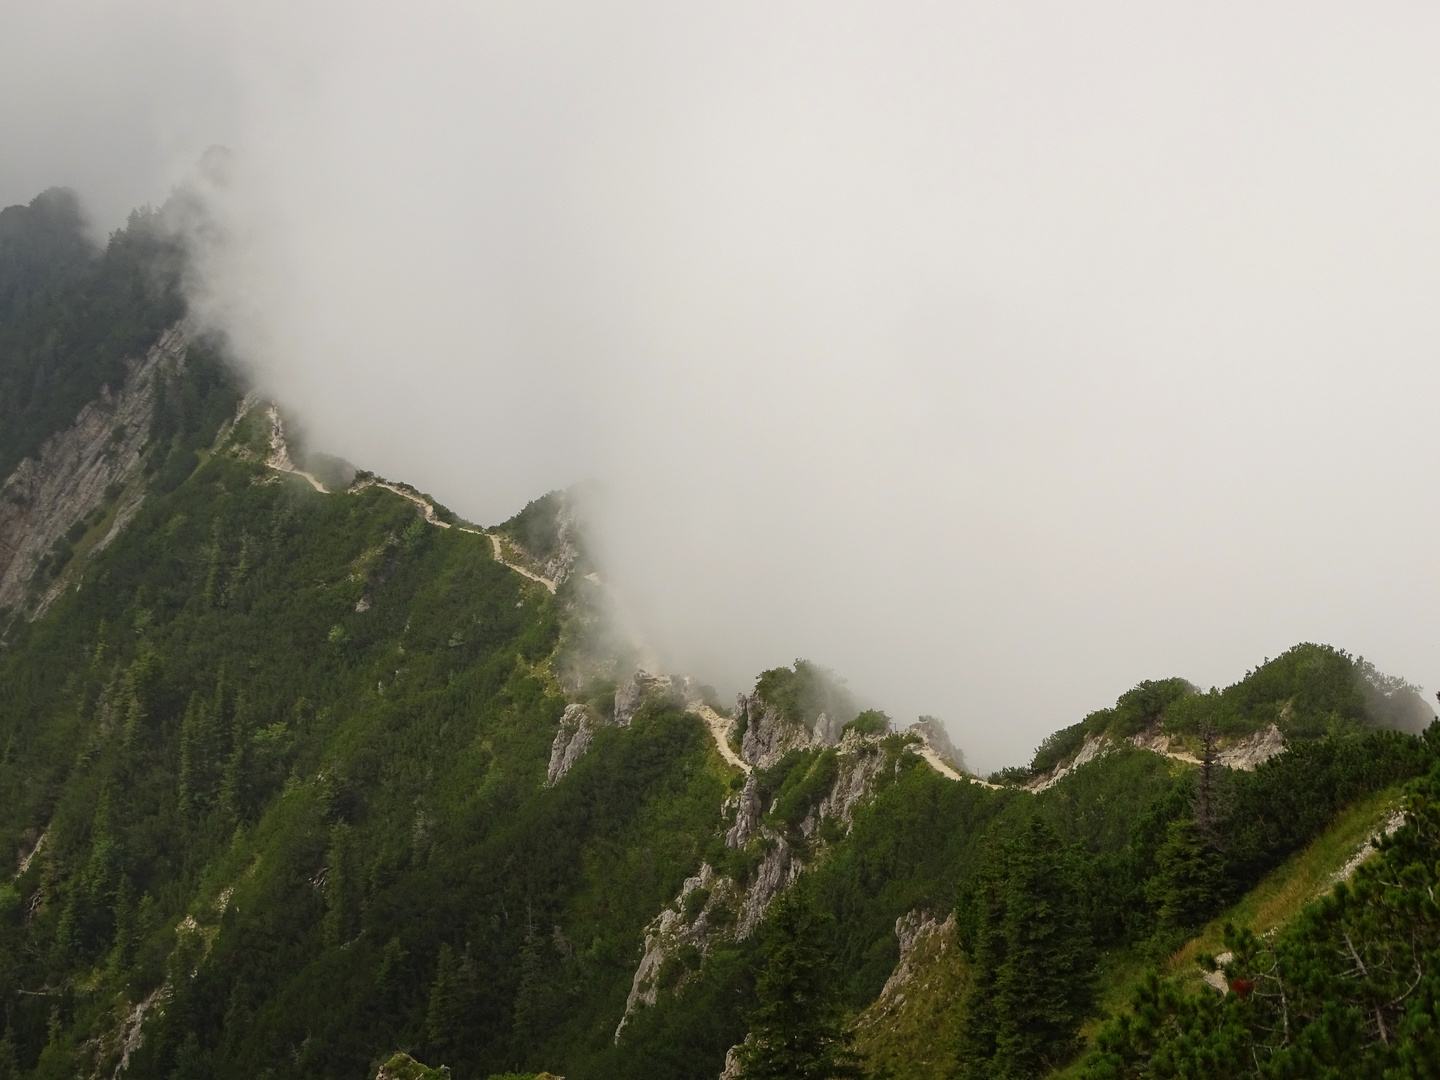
(300, 770)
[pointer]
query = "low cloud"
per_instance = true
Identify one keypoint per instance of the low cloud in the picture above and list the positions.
(996, 359)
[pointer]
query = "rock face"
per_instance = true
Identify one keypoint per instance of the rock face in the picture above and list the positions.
(577, 731)
(691, 921)
(713, 905)
(770, 734)
(1261, 746)
(76, 468)
(777, 870)
(859, 760)
(910, 929)
(635, 691)
(933, 732)
(747, 815)
(1093, 748)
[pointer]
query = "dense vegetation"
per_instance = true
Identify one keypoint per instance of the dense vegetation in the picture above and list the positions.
(71, 315)
(274, 767)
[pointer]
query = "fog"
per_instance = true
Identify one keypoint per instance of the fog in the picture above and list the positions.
(996, 356)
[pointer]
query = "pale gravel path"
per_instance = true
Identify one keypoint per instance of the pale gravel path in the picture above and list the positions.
(720, 728)
(279, 460)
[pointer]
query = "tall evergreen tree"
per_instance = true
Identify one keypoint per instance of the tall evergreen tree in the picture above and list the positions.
(797, 1029)
(1032, 959)
(1189, 879)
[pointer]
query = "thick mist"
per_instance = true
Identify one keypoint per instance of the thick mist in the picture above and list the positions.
(996, 356)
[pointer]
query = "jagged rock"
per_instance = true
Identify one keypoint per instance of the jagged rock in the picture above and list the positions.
(910, 929)
(732, 1062)
(769, 733)
(932, 732)
(747, 815)
(859, 759)
(404, 1067)
(636, 691)
(45, 496)
(1261, 746)
(571, 741)
(827, 730)
(1093, 748)
(776, 871)
(669, 931)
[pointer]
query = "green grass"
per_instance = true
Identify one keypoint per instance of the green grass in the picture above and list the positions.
(1302, 878)
(1273, 903)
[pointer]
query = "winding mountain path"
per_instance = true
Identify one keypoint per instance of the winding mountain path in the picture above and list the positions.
(720, 728)
(279, 458)
(280, 461)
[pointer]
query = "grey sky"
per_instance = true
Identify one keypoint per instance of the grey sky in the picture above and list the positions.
(998, 356)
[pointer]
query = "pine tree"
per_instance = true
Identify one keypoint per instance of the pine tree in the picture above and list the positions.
(1189, 881)
(193, 730)
(1031, 960)
(9, 1063)
(341, 910)
(797, 1030)
(445, 1017)
(1045, 987)
(982, 917)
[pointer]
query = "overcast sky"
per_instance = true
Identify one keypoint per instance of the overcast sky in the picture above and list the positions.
(998, 356)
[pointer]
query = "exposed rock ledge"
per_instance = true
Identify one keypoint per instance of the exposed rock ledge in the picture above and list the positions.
(76, 467)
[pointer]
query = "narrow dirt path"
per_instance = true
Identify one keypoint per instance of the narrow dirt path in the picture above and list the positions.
(939, 764)
(279, 458)
(720, 728)
(280, 461)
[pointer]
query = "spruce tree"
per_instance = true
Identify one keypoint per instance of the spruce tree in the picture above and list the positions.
(797, 1029)
(1045, 987)
(341, 909)
(1032, 962)
(1189, 882)
(452, 1001)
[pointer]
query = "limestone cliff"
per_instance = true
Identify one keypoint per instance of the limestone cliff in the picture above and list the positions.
(79, 469)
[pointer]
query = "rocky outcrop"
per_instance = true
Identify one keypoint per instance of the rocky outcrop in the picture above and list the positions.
(78, 470)
(859, 760)
(1248, 753)
(933, 734)
(404, 1067)
(748, 811)
(691, 921)
(1245, 754)
(577, 731)
(638, 689)
(1093, 748)
(777, 870)
(911, 929)
(770, 734)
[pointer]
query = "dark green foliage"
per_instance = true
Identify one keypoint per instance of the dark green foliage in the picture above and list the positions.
(1308, 691)
(870, 722)
(1273, 811)
(797, 1027)
(536, 528)
(1058, 747)
(1188, 885)
(70, 316)
(1023, 926)
(1350, 989)
(805, 691)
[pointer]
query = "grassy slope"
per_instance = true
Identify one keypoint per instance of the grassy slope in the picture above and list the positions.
(1274, 902)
